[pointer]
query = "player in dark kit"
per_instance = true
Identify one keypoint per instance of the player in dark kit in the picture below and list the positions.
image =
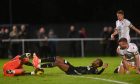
(68, 68)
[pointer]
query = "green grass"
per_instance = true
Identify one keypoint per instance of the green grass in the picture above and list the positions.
(56, 76)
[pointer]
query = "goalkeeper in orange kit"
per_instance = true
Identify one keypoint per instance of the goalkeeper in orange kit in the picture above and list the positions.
(14, 67)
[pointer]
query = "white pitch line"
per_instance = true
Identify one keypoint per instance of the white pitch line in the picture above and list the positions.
(108, 80)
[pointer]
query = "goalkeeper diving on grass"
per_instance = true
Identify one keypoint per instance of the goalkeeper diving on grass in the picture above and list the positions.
(69, 69)
(14, 67)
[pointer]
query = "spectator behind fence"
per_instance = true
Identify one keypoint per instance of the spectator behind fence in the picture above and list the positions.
(6, 33)
(2, 32)
(6, 44)
(52, 44)
(73, 34)
(23, 32)
(104, 42)
(43, 45)
(23, 35)
(82, 34)
(112, 43)
(14, 46)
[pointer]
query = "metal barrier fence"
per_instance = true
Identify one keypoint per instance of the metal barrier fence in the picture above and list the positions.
(59, 39)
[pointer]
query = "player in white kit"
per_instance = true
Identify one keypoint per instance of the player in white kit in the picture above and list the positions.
(130, 57)
(123, 27)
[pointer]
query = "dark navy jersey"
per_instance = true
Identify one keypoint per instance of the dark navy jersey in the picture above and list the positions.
(83, 70)
(87, 70)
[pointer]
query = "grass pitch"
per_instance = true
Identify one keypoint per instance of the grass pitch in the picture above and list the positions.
(56, 76)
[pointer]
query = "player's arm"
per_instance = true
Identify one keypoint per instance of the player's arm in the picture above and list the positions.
(134, 28)
(137, 58)
(118, 51)
(103, 68)
(124, 61)
(137, 62)
(125, 64)
(114, 33)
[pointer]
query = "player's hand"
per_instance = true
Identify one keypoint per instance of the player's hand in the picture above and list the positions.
(33, 73)
(105, 65)
(112, 37)
(34, 54)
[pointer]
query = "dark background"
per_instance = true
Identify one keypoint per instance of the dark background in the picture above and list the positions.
(65, 11)
(94, 15)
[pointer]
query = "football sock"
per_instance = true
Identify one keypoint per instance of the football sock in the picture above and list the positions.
(48, 59)
(48, 65)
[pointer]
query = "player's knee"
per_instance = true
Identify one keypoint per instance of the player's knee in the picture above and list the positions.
(59, 60)
(58, 64)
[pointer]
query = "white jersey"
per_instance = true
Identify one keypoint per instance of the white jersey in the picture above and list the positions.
(130, 52)
(123, 29)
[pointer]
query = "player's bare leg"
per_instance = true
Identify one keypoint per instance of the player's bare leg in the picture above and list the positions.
(62, 66)
(59, 62)
(62, 63)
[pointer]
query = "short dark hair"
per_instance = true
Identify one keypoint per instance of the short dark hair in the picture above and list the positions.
(120, 12)
(123, 40)
(100, 62)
